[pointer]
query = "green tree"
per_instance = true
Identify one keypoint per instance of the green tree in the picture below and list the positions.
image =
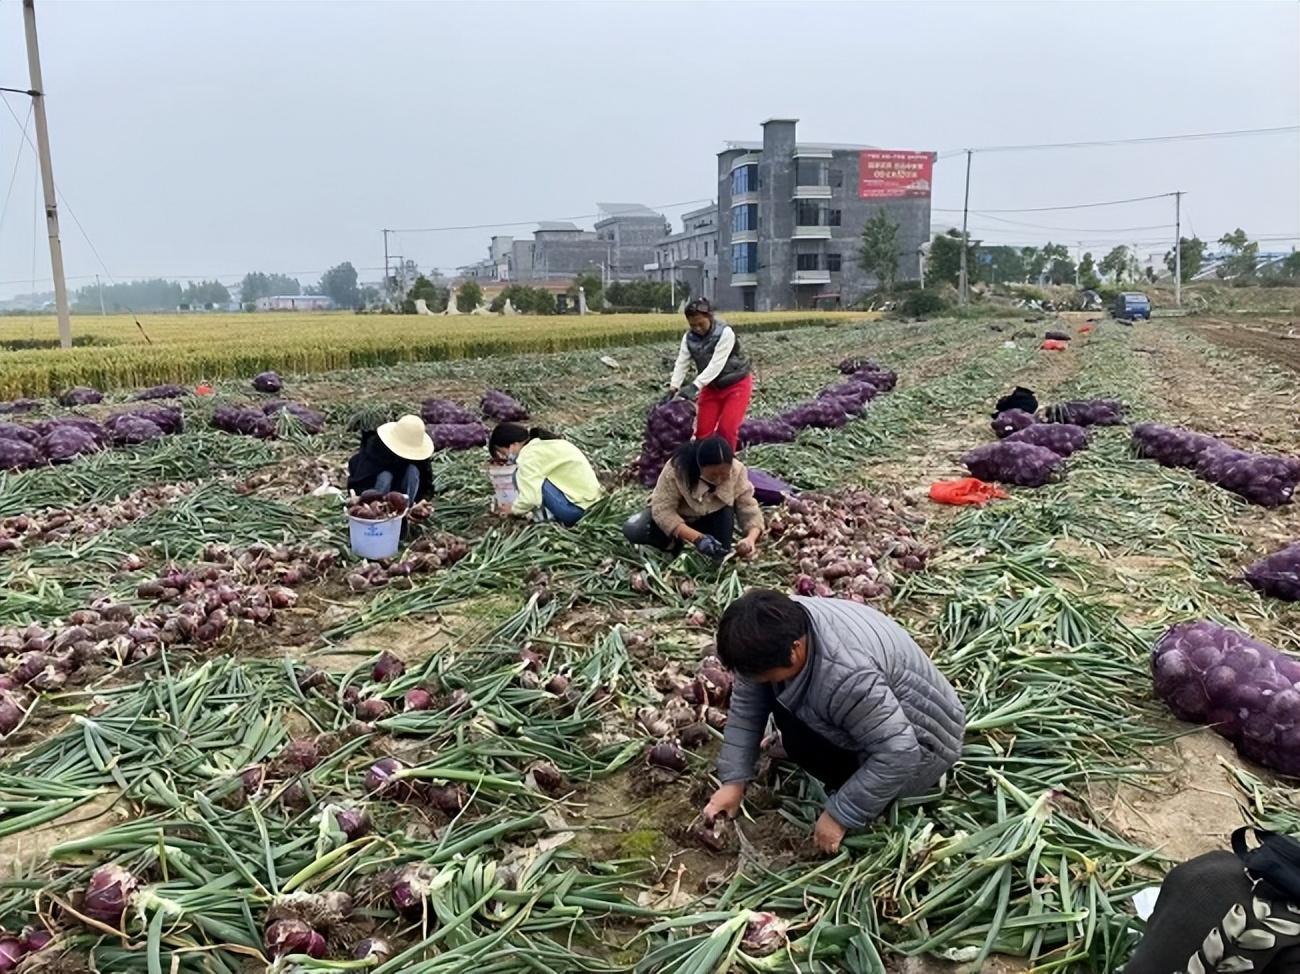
(524, 299)
(878, 255)
(592, 287)
(1289, 266)
(1088, 273)
(1000, 264)
(1243, 254)
(1035, 263)
(1115, 263)
(1059, 267)
(150, 295)
(259, 285)
(943, 265)
(1193, 252)
(339, 283)
(469, 296)
(435, 298)
(202, 294)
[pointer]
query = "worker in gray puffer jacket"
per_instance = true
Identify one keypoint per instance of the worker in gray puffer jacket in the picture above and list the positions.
(859, 706)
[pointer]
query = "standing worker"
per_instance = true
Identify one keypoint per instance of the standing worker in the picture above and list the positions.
(553, 477)
(724, 379)
(394, 457)
(859, 706)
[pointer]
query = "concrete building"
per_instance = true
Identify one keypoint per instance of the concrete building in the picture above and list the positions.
(690, 256)
(631, 232)
(791, 217)
(295, 302)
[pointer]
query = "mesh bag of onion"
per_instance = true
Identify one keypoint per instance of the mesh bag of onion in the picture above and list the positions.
(819, 413)
(444, 412)
(1088, 412)
(1021, 464)
(1277, 574)
(1170, 446)
(457, 436)
(1061, 438)
(766, 430)
(668, 425)
(1012, 421)
(501, 407)
(1247, 690)
(1264, 480)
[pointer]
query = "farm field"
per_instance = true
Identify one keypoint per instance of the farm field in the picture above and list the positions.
(117, 352)
(516, 825)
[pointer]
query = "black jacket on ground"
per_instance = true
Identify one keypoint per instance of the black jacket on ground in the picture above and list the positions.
(374, 458)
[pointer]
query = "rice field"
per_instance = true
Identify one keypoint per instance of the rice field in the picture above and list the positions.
(122, 351)
(277, 794)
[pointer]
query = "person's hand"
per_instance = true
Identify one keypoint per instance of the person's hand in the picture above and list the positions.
(710, 547)
(725, 801)
(688, 392)
(505, 508)
(828, 834)
(746, 548)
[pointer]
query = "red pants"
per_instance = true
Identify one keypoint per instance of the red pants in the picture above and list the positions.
(721, 411)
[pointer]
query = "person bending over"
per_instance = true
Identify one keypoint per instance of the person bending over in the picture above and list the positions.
(724, 380)
(859, 706)
(553, 477)
(701, 494)
(394, 457)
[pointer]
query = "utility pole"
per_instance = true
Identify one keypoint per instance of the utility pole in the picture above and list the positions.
(37, 93)
(100, 287)
(963, 290)
(1178, 249)
(388, 287)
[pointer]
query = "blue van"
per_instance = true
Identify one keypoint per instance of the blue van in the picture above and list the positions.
(1132, 305)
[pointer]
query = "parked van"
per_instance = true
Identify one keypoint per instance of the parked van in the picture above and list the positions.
(1132, 305)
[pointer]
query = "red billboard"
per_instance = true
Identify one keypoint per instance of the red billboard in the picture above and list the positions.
(886, 174)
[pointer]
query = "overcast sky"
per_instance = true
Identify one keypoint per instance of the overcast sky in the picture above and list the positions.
(214, 138)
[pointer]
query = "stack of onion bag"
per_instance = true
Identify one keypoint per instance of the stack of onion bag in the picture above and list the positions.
(1008, 462)
(1269, 481)
(1277, 574)
(668, 425)
(1087, 412)
(1248, 691)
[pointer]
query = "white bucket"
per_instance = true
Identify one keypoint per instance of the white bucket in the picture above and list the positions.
(502, 476)
(375, 540)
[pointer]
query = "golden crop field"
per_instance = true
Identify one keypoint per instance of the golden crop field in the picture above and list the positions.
(194, 347)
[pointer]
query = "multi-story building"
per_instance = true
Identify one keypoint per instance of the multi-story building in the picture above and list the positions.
(691, 256)
(792, 214)
(631, 231)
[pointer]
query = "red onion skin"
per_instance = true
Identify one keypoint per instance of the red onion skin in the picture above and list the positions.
(108, 894)
(12, 952)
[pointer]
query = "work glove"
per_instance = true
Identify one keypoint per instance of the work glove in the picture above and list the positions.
(711, 547)
(688, 392)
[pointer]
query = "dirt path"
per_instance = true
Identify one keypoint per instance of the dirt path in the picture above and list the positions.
(1275, 339)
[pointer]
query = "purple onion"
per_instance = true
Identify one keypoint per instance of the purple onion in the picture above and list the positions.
(417, 699)
(458, 436)
(382, 775)
(303, 755)
(387, 667)
(374, 708)
(12, 952)
(81, 396)
(66, 443)
(161, 392)
(267, 382)
(293, 937)
(12, 431)
(668, 756)
(764, 934)
(36, 938)
(373, 948)
(19, 455)
(351, 821)
(1277, 574)
(411, 887)
(497, 405)
(668, 425)
(108, 894)
(444, 412)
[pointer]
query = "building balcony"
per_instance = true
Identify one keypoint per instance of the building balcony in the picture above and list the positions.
(749, 159)
(740, 199)
(744, 236)
(812, 233)
(810, 277)
(650, 267)
(812, 192)
(744, 280)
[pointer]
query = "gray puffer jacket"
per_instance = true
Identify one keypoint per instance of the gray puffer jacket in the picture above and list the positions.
(867, 687)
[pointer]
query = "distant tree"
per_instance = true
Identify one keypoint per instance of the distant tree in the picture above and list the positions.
(1035, 263)
(943, 265)
(1115, 263)
(592, 287)
(1000, 264)
(370, 297)
(1151, 274)
(1088, 273)
(156, 294)
(435, 298)
(201, 294)
(1193, 252)
(878, 254)
(1289, 266)
(646, 295)
(1243, 251)
(469, 296)
(524, 299)
(259, 285)
(1059, 267)
(339, 283)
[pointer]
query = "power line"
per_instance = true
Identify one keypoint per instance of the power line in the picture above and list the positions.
(1072, 206)
(1044, 226)
(528, 223)
(1147, 140)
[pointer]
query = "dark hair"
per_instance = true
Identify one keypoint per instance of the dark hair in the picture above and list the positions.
(508, 434)
(708, 452)
(700, 306)
(758, 631)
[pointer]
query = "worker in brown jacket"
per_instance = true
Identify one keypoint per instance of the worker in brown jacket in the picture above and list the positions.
(702, 497)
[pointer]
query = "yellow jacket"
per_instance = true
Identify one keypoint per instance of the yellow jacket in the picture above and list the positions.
(560, 462)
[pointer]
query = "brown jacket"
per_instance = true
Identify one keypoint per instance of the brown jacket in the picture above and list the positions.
(673, 503)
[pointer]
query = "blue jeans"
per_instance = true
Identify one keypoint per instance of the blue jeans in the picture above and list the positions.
(557, 504)
(410, 482)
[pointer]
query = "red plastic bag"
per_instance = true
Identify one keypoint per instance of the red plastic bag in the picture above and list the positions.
(965, 491)
(1085, 329)
(1053, 345)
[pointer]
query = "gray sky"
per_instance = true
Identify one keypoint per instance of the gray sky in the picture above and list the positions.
(214, 138)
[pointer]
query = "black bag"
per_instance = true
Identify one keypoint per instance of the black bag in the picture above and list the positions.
(1273, 866)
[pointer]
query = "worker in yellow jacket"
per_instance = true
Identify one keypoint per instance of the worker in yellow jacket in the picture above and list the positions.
(553, 477)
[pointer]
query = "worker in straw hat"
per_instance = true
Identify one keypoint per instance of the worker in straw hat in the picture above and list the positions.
(394, 457)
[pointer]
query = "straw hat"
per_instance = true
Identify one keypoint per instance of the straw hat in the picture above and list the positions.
(406, 438)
